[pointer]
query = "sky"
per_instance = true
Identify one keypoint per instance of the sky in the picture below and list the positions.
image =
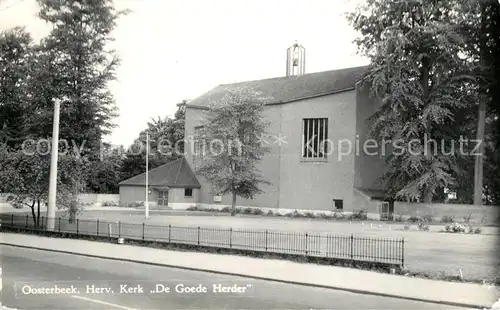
(173, 50)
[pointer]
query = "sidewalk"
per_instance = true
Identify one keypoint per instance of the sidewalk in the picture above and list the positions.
(458, 294)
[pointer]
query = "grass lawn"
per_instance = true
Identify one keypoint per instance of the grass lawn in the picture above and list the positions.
(476, 256)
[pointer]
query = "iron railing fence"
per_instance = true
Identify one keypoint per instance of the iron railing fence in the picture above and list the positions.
(348, 247)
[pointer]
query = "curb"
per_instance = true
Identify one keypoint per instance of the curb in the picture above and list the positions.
(356, 291)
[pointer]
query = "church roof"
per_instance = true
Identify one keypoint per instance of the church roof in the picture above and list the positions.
(291, 88)
(175, 174)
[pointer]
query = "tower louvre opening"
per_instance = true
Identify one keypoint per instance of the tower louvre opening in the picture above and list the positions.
(295, 60)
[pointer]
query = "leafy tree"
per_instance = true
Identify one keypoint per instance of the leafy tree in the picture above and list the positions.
(490, 32)
(166, 143)
(480, 25)
(25, 176)
(15, 48)
(233, 126)
(77, 63)
(426, 85)
(105, 173)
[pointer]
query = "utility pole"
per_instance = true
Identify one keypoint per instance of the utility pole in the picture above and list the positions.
(51, 207)
(146, 206)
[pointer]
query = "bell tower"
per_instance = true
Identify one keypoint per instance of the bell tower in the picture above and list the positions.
(295, 60)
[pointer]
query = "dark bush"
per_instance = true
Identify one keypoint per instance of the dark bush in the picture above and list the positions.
(247, 211)
(359, 215)
(427, 218)
(399, 218)
(446, 219)
(309, 215)
(257, 211)
(338, 215)
(414, 219)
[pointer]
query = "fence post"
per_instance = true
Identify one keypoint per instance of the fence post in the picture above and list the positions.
(198, 235)
(119, 229)
(169, 232)
(98, 227)
(352, 247)
(143, 230)
(77, 226)
(403, 252)
(42, 223)
(12, 220)
(26, 221)
(230, 237)
(306, 243)
(59, 224)
(266, 240)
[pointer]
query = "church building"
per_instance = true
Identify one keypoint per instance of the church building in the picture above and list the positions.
(307, 111)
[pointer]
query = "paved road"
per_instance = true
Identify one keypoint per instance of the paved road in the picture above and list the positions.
(40, 269)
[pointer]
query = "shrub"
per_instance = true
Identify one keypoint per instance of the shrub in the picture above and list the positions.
(399, 218)
(309, 215)
(227, 209)
(359, 215)
(325, 216)
(447, 228)
(457, 228)
(467, 218)
(270, 213)
(247, 211)
(427, 218)
(338, 215)
(446, 219)
(192, 208)
(257, 211)
(297, 214)
(423, 227)
(477, 230)
(136, 204)
(414, 219)
(110, 204)
(407, 227)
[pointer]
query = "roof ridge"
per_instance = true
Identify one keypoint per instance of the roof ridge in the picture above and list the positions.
(179, 171)
(290, 77)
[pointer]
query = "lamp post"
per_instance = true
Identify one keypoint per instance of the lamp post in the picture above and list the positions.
(51, 206)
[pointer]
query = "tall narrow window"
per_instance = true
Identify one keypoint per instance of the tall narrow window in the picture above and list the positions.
(199, 142)
(314, 138)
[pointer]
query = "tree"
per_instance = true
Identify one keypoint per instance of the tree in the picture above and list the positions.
(15, 48)
(491, 35)
(480, 26)
(105, 174)
(166, 143)
(426, 85)
(79, 66)
(25, 176)
(233, 127)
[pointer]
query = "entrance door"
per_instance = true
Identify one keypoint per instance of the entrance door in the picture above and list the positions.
(162, 198)
(384, 210)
